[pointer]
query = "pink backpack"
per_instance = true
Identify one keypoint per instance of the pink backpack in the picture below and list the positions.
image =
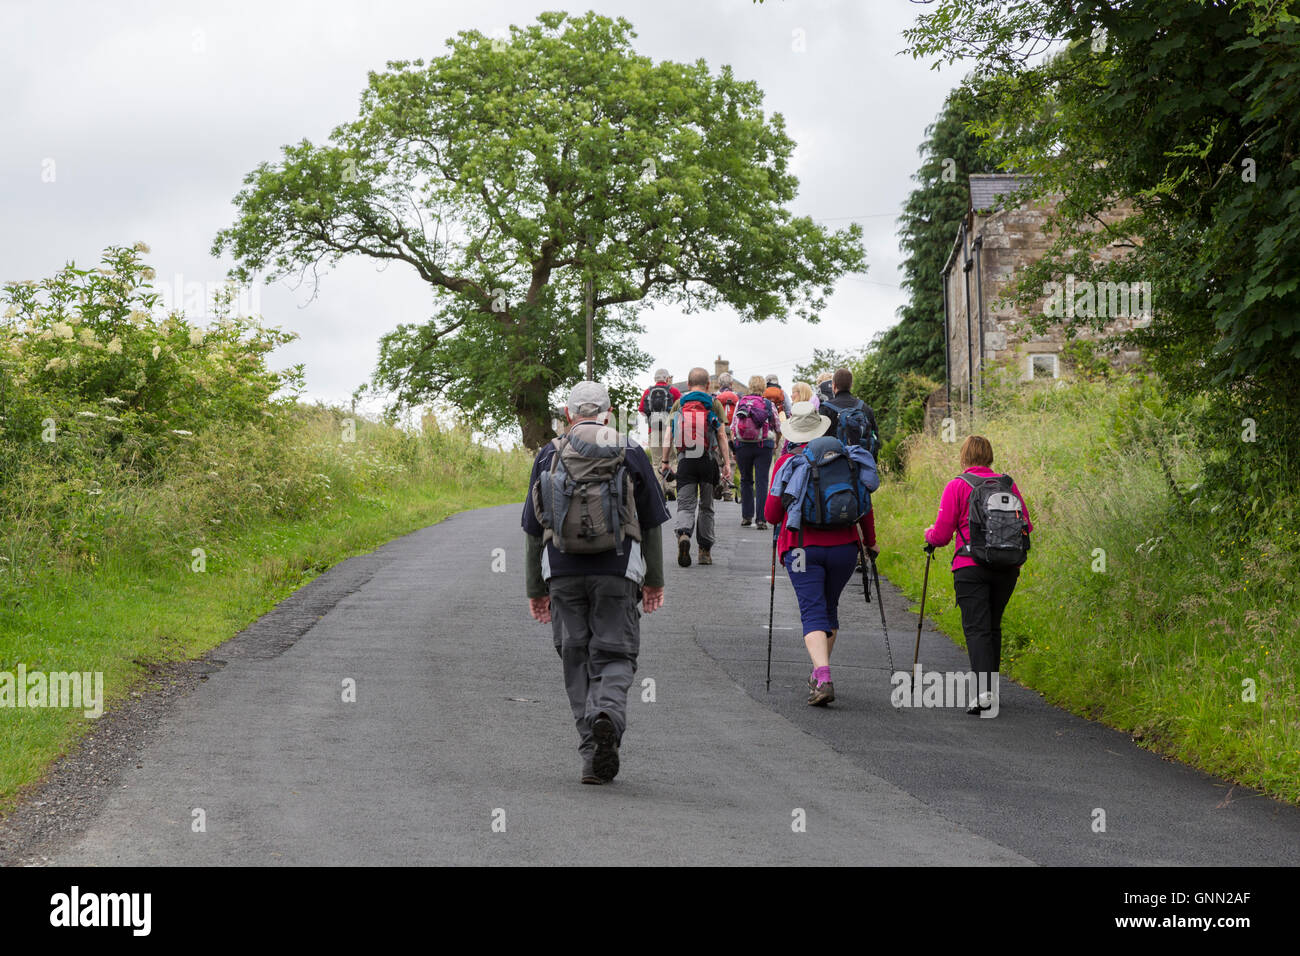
(752, 418)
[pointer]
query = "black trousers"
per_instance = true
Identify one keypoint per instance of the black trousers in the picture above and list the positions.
(753, 460)
(982, 596)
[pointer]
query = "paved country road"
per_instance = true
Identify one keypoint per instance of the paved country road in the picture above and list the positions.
(460, 718)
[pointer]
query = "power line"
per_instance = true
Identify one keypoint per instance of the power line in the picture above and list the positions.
(874, 282)
(869, 215)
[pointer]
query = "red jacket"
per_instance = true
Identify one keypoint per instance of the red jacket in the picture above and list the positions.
(774, 512)
(646, 394)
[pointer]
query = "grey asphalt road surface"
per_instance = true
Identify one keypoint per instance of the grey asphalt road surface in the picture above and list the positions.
(459, 747)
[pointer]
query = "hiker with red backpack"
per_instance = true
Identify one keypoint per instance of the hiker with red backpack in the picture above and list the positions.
(703, 460)
(593, 554)
(988, 515)
(821, 502)
(754, 428)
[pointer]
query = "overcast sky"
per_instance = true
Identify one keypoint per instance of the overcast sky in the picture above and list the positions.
(152, 113)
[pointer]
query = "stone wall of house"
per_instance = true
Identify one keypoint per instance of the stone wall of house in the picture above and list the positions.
(999, 245)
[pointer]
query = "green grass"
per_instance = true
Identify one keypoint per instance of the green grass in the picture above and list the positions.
(133, 600)
(1160, 642)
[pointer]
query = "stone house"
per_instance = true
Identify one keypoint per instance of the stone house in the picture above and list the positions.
(994, 242)
(720, 365)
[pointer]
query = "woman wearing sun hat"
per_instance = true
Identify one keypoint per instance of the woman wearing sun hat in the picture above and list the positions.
(829, 556)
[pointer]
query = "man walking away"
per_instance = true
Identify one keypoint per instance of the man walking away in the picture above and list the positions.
(593, 551)
(703, 459)
(856, 420)
(656, 405)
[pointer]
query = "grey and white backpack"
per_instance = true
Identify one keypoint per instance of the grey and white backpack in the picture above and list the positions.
(999, 530)
(584, 502)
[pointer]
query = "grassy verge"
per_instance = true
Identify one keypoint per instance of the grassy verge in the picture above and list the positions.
(132, 597)
(1125, 613)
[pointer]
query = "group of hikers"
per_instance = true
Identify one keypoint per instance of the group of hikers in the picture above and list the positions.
(807, 468)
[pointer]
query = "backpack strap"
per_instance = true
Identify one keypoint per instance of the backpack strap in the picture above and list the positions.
(556, 492)
(615, 502)
(970, 480)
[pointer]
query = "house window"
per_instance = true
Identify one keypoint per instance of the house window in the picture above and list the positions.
(1043, 366)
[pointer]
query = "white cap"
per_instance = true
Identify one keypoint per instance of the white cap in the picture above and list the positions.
(587, 400)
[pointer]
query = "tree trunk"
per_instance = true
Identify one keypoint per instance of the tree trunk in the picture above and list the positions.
(534, 415)
(537, 430)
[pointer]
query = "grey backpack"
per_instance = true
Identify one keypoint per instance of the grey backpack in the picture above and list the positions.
(999, 533)
(584, 502)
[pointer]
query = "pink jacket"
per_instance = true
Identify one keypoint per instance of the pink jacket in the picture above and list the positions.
(954, 513)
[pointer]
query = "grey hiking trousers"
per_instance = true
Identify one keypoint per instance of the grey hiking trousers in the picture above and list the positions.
(695, 511)
(596, 624)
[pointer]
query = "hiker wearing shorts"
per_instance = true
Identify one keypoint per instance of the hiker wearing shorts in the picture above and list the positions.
(586, 578)
(982, 591)
(822, 565)
(703, 460)
(754, 428)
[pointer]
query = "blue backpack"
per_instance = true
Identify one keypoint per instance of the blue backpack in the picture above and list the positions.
(836, 495)
(854, 427)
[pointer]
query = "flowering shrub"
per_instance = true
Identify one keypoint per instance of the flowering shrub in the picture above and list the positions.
(87, 351)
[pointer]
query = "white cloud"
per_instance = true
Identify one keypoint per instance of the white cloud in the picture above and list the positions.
(154, 112)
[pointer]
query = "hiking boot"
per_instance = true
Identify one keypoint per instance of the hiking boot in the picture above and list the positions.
(589, 774)
(812, 682)
(822, 694)
(761, 525)
(684, 550)
(746, 522)
(604, 763)
(705, 557)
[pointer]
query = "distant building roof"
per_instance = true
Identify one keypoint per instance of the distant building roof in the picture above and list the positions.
(985, 188)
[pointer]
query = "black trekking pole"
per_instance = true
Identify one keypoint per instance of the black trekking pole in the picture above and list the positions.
(880, 600)
(771, 604)
(869, 564)
(920, 617)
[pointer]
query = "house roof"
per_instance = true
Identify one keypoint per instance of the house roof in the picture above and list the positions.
(986, 188)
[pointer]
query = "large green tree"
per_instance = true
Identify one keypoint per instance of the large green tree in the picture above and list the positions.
(511, 168)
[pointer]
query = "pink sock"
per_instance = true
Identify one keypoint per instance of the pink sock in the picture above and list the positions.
(821, 674)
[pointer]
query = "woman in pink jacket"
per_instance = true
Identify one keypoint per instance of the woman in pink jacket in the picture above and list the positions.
(982, 591)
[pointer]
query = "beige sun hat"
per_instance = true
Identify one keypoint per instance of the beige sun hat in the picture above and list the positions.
(804, 424)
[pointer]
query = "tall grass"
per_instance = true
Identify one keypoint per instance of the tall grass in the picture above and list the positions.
(1135, 608)
(118, 571)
